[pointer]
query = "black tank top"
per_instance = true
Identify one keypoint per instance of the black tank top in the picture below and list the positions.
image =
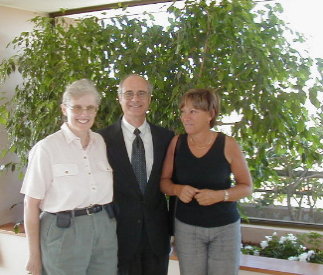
(211, 171)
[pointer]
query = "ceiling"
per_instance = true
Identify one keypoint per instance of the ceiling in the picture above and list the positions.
(52, 6)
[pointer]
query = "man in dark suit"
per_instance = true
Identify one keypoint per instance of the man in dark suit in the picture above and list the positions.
(141, 209)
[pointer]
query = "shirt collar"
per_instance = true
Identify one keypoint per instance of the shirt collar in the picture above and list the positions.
(70, 136)
(130, 128)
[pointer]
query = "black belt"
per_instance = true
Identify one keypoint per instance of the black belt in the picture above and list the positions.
(88, 210)
(85, 211)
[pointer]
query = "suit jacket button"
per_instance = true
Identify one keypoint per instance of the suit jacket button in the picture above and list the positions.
(139, 221)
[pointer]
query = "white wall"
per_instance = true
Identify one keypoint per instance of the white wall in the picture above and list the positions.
(12, 23)
(13, 254)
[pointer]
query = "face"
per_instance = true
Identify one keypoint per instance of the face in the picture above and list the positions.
(134, 99)
(195, 120)
(80, 113)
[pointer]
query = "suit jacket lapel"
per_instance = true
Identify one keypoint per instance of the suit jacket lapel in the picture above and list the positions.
(156, 145)
(121, 157)
(119, 144)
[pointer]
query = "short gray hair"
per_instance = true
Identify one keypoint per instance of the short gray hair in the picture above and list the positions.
(150, 86)
(80, 88)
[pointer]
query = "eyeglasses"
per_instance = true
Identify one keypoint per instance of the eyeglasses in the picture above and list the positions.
(130, 94)
(78, 109)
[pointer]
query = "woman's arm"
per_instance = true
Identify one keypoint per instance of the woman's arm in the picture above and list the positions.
(184, 192)
(32, 227)
(240, 170)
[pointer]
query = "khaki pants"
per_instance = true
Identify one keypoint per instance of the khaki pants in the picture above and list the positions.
(87, 247)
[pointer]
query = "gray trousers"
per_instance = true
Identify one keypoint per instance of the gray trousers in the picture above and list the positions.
(208, 251)
(88, 247)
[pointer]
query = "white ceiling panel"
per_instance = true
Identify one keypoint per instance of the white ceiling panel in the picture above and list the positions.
(49, 6)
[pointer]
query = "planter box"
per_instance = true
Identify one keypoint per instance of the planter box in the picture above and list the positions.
(278, 266)
(256, 265)
(13, 251)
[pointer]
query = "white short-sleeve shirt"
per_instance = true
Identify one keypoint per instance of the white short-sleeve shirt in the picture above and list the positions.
(64, 176)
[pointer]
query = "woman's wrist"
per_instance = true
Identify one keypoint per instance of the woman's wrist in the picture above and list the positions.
(226, 195)
(176, 192)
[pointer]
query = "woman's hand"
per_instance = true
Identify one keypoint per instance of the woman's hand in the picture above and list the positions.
(185, 192)
(207, 197)
(32, 227)
(34, 265)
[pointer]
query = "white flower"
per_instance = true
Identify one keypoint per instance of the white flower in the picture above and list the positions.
(302, 247)
(248, 247)
(263, 244)
(293, 258)
(282, 239)
(269, 238)
(275, 234)
(256, 252)
(310, 253)
(303, 257)
(291, 237)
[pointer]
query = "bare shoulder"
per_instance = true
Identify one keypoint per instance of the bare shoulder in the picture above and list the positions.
(230, 142)
(172, 144)
(231, 149)
(175, 138)
(174, 141)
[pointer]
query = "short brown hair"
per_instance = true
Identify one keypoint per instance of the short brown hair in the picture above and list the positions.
(203, 99)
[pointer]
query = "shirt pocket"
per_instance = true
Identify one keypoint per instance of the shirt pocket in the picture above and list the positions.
(102, 171)
(65, 171)
(102, 166)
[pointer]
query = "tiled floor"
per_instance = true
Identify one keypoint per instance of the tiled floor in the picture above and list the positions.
(173, 268)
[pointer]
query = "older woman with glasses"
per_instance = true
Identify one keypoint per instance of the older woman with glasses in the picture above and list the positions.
(197, 169)
(69, 219)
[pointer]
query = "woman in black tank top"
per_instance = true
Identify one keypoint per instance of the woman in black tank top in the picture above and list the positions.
(197, 170)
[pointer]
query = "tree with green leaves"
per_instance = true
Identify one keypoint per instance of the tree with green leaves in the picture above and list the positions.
(227, 45)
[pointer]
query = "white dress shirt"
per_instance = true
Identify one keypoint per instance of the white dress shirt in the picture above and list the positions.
(129, 136)
(64, 176)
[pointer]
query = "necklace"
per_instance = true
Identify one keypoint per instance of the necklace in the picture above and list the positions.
(201, 147)
(86, 141)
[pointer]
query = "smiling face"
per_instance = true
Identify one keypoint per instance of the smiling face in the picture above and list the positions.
(135, 99)
(80, 113)
(194, 120)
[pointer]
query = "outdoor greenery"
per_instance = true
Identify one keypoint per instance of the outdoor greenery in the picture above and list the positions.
(230, 46)
(296, 189)
(289, 247)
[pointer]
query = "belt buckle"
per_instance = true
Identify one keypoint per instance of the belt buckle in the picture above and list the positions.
(87, 210)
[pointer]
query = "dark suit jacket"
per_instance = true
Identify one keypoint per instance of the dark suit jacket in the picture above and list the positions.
(133, 209)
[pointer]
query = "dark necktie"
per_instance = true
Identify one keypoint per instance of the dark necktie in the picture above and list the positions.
(138, 160)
